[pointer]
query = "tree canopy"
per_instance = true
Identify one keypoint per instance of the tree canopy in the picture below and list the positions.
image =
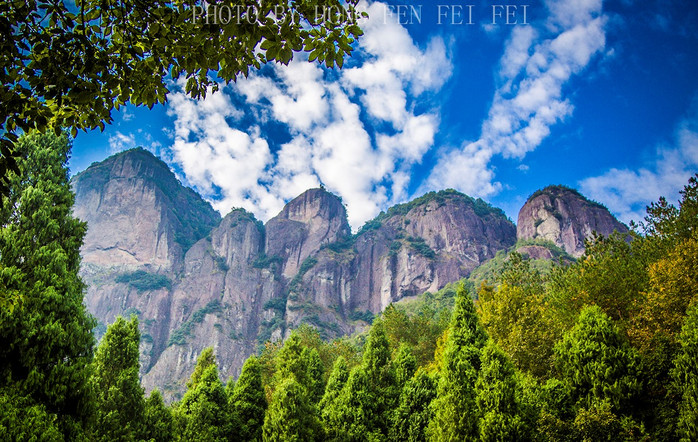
(69, 64)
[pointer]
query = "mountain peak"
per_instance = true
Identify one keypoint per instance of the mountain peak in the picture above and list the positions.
(314, 218)
(138, 213)
(566, 217)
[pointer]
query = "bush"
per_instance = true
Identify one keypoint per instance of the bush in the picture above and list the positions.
(365, 316)
(421, 247)
(265, 262)
(144, 281)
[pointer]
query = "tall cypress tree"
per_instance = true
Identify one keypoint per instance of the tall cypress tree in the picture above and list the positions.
(119, 395)
(456, 414)
(204, 409)
(405, 365)
(685, 377)
(314, 374)
(411, 418)
(46, 338)
(364, 408)
(328, 404)
(291, 417)
(248, 402)
(496, 387)
(157, 419)
(206, 359)
(598, 364)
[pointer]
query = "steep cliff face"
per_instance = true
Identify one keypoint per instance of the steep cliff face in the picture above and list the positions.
(310, 220)
(138, 213)
(415, 247)
(155, 249)
(218, 301)
(141, 221)
(565, 217)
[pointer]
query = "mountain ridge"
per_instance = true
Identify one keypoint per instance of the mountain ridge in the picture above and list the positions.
(240, 281)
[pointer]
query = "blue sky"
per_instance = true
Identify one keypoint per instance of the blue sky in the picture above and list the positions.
(601, 96)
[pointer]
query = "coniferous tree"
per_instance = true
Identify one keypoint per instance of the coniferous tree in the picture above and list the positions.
(47, 341)
(157, 419)
(597, 364)
(353, 417)
(328, 405)
(119, 395)
(291, 417)
(248, 402)
(411, 418)
(314, 374)
(291, 363)
(685, 377)
(363, 409)
(405, 365)
(455, 409)
(206, 359)
(496, 387)
(204, 409)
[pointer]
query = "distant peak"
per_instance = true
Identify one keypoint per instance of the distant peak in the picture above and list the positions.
(562, 191)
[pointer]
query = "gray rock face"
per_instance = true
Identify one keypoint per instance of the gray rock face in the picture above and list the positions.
(414, 247)
(563, 216)
(156, 249)
(306, 223)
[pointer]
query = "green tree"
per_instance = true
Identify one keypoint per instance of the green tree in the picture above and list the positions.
(203, 411)
(206, 359)
(405, 365)
(119, 395)
(20, 419)
(314, 374)
(363, 409)
(685, 377)
(497, 398)
(328, 405)
(157, 419)
(612, 274)
(248, 402)
(70, 66)
(455, 409)
(598, 365)
(412, 416)
(291, 417)
(354, 412)
(291, 363)
(517, 317)
(47, 342)
(667, 225)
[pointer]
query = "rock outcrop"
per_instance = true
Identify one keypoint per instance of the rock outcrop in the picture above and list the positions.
(565, 217)
(155, 249)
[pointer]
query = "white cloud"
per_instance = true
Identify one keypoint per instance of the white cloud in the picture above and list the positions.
(627, 192)
(358, 135)
(120, 142)
(535, 66)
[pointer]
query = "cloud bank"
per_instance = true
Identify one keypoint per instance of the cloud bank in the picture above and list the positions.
(355, 131)
(536, 64)
(628, 192)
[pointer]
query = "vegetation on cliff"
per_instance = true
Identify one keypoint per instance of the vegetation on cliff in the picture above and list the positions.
(602, 348)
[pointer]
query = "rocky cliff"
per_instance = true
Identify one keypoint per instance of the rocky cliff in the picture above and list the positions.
(565, 217)
(155, 249)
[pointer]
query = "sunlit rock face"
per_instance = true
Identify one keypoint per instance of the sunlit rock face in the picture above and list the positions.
(155, 249)
(565, 217)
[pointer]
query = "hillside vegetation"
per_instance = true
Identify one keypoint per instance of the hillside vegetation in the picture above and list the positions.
(601, 348)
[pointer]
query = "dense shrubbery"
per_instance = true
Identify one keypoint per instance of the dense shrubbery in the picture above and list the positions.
(144, 281)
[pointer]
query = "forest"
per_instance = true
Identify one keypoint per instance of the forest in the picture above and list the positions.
(601, 348)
